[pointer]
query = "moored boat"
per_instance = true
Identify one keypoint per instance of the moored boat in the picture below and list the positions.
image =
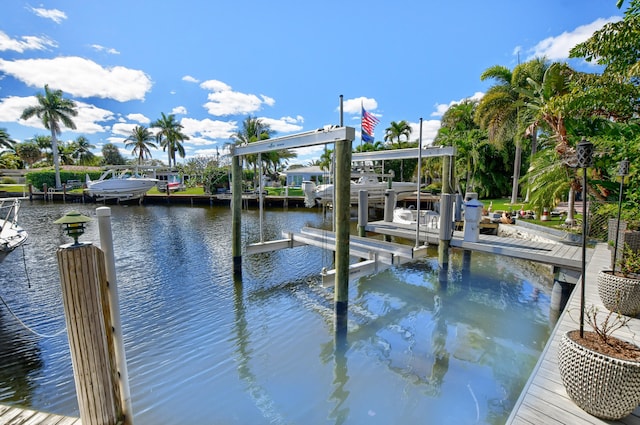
(375, 187)
(11, 234)
(120, 185)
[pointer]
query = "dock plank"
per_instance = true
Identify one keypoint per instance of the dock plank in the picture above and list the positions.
(544, 396)
(12, 415)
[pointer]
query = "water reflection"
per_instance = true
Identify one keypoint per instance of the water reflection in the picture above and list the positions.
(420, 344)
(20, 358)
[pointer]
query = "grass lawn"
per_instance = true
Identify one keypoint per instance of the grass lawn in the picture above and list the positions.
(17, 188)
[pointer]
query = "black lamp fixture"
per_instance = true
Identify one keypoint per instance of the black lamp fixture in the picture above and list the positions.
(73, 223)
(585, 159)
(623, 171)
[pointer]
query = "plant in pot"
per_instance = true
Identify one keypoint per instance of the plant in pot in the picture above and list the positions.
(600, 372)
(619, 289)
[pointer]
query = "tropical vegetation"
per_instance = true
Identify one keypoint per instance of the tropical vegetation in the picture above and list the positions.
(519, 140)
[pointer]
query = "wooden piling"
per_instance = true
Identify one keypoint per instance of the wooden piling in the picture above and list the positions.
(363, 212)
(342, 192)
(83, 277)
(236, 214)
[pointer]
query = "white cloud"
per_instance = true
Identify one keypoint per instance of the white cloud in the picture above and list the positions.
(189, 79)
(215, 85)
(139, 118)
(109, 50)
(11, 107)
(441, 108)
(429, 131)
(557, 48)
(122, 129)
(354, 106)
(224, 101)
(207, 128)
(179, 110)
(28, 42)
(284, 124)
(80, 77)
(54, 14)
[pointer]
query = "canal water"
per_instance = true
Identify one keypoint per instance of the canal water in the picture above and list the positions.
(422, 347)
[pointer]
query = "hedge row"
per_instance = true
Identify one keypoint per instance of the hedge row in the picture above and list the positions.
(39, 178)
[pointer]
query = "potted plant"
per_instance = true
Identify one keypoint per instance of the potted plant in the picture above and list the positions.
(600, 372)
(619, 290)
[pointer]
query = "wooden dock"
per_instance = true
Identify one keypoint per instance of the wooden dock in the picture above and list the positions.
(544, 399)
(556, 254)
(10, 415)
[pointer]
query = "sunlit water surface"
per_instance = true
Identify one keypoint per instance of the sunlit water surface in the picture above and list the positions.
(422, 347)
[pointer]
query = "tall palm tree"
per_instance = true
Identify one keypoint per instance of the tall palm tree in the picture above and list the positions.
(82, 150)
(395, 131)
(459, 129)
(140, 139)
(501, 110)
(169, 136)
(546, 100)
(253, 130)
(53, 110)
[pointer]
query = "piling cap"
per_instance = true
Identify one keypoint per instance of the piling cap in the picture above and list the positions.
(474, 203)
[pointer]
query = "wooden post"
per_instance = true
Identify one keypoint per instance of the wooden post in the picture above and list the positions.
(236, 214)
(342, 192)
(82, 276)
(445, 213)
(446, 227)
(363, 212)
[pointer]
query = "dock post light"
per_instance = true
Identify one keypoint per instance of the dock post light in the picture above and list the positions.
(73, 223)
(623, 171)
(585, 160)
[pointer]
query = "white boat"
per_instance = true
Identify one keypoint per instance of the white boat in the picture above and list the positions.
(11, 234)
(375, 187)
(428, 218)
(120, 185)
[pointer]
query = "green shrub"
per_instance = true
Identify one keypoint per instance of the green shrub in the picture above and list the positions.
(8, 180)
(39, 178)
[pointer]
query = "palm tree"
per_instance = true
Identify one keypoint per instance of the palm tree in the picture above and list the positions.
(5, 140)
(459, 129)
(395, 131)
(170, 136)
(53, 109)
(82, 150)
(140, 140)
(546, 102)
(253, 130)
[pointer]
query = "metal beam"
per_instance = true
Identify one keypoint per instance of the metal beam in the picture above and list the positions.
(321, 136)
(403, 153)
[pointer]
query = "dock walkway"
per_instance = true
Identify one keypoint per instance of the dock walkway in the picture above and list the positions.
(544, 399)
(10, 415)
(556, 254)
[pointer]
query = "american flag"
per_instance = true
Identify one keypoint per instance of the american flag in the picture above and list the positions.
(368, 123)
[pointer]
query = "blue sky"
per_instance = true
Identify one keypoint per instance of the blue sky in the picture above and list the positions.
(212, 63)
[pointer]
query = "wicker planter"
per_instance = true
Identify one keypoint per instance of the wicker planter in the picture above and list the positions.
(619, 294)
(601, 385)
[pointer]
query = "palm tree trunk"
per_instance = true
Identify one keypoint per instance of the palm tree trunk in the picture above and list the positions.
(534, 150)
(56, 159)
(570, 221)
(516, 172)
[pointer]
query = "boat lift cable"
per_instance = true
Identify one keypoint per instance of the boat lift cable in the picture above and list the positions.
(41, 335)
